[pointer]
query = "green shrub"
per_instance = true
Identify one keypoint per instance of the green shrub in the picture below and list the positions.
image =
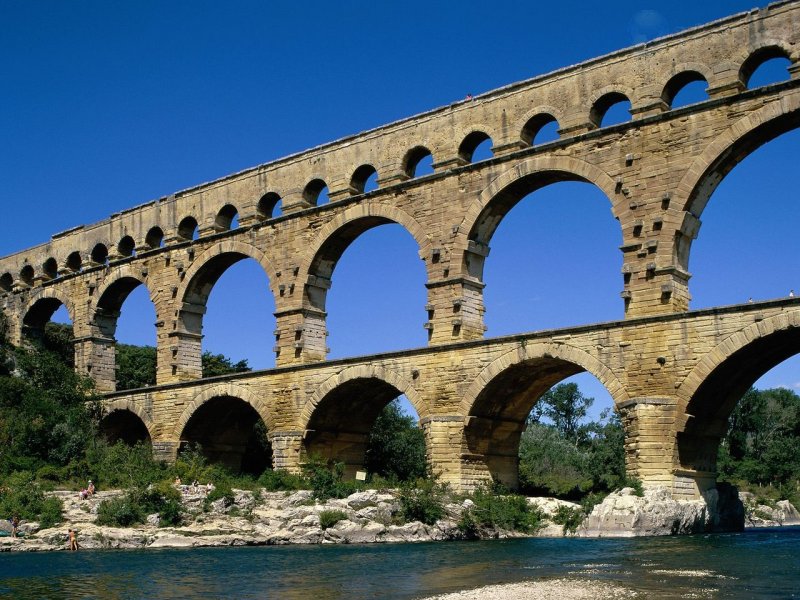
(50, 513)
(570, 517)
(326, 479)
(221, 491)
(120, 512)
(279, 480)
(136, 504)
(422, 501)
(509, 512)
(20, 495)
(329, 518)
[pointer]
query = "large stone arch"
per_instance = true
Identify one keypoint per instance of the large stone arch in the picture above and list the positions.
(400, 383)
(229, 425)
(235, 249)
(515, 183)
(340, 232)
(547, 350)
(365, 210)
(228, 390)
(41, 305)
(710, 392)
(126, 405)
(730, 147)
(727, 348)
(496, 405)
(338, 418)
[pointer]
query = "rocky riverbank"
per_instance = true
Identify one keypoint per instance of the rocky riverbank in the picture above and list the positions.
(268, 518)
(271, 518)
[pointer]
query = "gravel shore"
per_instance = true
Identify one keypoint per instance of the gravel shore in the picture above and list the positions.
(552, 589)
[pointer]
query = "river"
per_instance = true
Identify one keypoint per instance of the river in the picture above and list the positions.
(755, 564)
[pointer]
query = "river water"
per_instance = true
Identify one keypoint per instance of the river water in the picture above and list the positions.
(756, 564)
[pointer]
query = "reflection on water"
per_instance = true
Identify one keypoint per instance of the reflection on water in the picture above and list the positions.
(756, 564)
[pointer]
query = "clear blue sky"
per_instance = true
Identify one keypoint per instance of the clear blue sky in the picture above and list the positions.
(105, 105)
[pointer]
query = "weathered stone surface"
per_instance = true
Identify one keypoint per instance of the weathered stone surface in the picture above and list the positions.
(624, 514)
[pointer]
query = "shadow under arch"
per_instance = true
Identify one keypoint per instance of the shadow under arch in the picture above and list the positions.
(124, 421)
(229, 423)
(498, 402)
(492, 205)
(320, 261)
(337, 420)
(708, 395)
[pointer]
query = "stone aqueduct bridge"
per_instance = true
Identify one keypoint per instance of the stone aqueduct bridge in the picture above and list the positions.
(674, 375)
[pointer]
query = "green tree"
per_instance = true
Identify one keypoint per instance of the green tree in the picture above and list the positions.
(566, 407)
(219, 364)
(396, 446)
(136, 366)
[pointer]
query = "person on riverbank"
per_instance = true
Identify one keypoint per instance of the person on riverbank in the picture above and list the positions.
(90, 488)
(14, 525)
(73, 540)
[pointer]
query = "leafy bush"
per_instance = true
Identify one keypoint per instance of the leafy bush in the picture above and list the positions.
(422, 501)
(123, 466)
(570, 517)
(326, 479)
(280, 480)
(120, 512)
(136, 504)
(20, 495)
(509, 512)
(329, 518)
(221, 491)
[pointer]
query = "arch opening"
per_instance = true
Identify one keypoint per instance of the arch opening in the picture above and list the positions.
(525, 223)
(728, 259)
(380, 259)
(154, 238)
(365, 179)
(187, 229)
(126, 247)
(418, 162)
(316, 192)
(540, 129)
(765, 66)
(128, 336)
(710, 412)
(227, 218)
(99, 254)
(229, 432)
(269, 206)
(47, 324)
(611, 109)
(50, 268)
(475, 147)
(239, 317)
(532, 428)
(26, 275)
(74, 262)
(360, 423)
(7, 282)
(124, 426)
(687, 87)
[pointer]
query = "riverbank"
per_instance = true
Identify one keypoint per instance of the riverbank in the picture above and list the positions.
(370, 516)
(262, 518)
